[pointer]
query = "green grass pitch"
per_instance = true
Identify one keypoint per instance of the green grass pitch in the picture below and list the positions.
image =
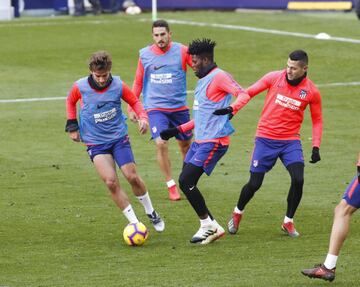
(59, 227)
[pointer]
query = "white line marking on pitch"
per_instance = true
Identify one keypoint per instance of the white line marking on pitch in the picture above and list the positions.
(190, 92)
(32, 100)
(262, 30)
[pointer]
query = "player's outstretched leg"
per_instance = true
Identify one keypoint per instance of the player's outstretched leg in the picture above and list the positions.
(140, 191)
(321, 272)
(247, 193)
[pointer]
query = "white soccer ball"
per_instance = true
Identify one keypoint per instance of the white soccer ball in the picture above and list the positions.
(133, 10)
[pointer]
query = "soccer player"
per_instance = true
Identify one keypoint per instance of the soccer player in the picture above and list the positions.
(289, 92)
(161, 76)
(212, 114)
(340, 229)
(104, 131)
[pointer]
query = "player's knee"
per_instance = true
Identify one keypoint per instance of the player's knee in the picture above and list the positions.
(343, 209)
(133, 179)
(254, 185)
(161, 144)
(111, 183)
(184, 183)
(297, 180)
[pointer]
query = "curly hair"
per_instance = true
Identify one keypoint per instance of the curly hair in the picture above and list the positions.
(100, 61)
(204, 47)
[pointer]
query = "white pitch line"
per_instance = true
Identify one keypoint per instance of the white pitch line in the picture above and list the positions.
(262, 30)
(189, 92)
(56, 23)
(32, 100)
(339, 84)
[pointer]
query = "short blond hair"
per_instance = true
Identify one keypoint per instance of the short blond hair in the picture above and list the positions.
(100, 61)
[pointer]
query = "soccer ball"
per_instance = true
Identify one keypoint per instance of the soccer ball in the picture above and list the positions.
(135, 234)
(133, 10)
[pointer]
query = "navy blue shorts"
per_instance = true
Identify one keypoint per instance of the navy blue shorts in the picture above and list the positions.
(267, 151)
(119, 149)
(205, 155)
(161, 120)
(352, 193)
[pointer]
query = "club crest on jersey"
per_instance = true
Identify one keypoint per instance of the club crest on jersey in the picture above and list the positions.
(255, 163)
(303, 94)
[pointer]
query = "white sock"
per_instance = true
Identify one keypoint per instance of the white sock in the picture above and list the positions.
(238, 211)
(170, 183)
(330, 261)
(146, 203)
(206, 222)
(130, 214)
(287, 219)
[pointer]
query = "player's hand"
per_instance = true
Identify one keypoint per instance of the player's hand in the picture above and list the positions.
(315, 155)
(358, 174)
(143, 126)
(133, 117)
(75, 136)
(226, 111)
(71, 125)
(169, 133)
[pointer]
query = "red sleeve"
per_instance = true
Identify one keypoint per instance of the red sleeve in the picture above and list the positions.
(185, 58)
(134, 102)
(261, 85)
(223, 84)
(187, 126)
(71, 100)
(138, 81)
(316, 118)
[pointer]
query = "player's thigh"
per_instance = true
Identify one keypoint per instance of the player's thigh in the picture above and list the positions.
(192, 150)
(129, 171)
(122, 151)
(178, 118)
(352, 193)
(158, 121)
(292, 153)
(207, 155)
(344, 208)
(105, 166)
(264, 155)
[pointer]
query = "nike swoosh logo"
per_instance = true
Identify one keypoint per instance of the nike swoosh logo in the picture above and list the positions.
(158, 67)
(100, 106)
(191, 188)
